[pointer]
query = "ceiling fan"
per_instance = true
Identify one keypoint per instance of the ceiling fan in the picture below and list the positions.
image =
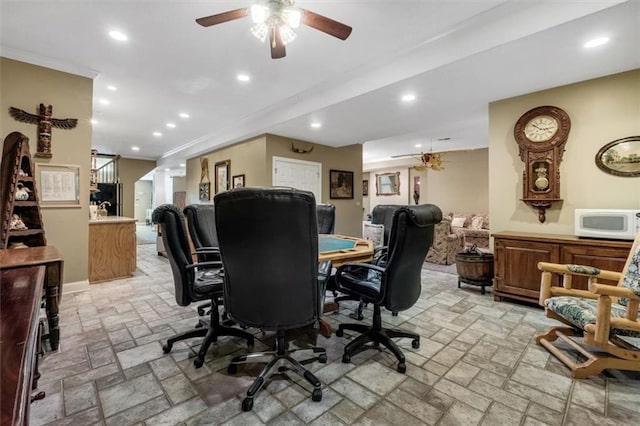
(429, 160)
(277, 19)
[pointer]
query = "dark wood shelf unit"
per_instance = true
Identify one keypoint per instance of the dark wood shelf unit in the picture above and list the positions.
(16, 160)
(516, 257)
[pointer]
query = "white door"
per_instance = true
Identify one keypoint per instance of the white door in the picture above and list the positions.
(298, 174)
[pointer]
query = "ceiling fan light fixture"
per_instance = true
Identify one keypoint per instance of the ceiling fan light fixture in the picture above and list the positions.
(260, 31)
(287, 34)
(259, 13)
(292, 17)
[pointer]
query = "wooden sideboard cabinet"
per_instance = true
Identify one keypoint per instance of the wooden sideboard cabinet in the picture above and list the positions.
(516, 257)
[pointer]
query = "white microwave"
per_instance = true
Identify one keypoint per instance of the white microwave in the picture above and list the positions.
(616, 224)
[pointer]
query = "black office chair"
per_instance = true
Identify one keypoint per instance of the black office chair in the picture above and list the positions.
(382, 214)
(326, 218)
(193, 282)
(202, 230)
(269, 245)
(396, 286)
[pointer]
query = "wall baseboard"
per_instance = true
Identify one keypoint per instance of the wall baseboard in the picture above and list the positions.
(75, 287)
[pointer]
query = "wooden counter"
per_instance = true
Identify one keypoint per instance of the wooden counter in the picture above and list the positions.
(112, 248)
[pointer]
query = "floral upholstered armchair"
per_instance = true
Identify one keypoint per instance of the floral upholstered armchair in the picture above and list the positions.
(446, 243)
(474, 227)
(605, 316)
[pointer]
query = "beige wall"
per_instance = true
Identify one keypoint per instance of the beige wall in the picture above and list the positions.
(253, 158)
(26, 86)
(601, 110)
(462, 187)
(129, 171)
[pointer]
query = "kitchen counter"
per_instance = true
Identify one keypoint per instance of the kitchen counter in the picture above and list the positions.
(112, 248)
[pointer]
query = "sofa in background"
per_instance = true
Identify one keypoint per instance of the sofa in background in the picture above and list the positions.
(474, 227)
(446, 243)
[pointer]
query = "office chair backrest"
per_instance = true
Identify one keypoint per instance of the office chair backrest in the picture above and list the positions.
(410, 240)
(382, 214)
(269, 244)
(176, 243)
(326, 218)
(201, 222)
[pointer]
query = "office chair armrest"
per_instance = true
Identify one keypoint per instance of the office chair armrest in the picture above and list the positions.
(355, 267)
(587, 271)
(213, 263)
(324, 270)
(206, 250)
(378, 250)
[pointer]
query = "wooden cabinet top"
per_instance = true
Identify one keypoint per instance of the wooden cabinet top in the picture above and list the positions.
(112, 219)
(560, 239)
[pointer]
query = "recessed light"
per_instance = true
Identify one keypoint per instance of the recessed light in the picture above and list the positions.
(182, 165)
(104, 101)
(418, 145)
(93, 121)
(408, 97)
(117, 35)
(171, 125)
(112, 88)
(157, 134)
(167, 170)
(135, 148)
(596, 42)
(184, 115)
(316, 125)
(243, 77)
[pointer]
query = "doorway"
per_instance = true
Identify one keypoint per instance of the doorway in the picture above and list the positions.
(299, 174)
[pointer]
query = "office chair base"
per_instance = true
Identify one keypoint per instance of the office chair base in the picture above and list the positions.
(280, 363)
(357, 315)
(212, 336)
(200, 330)
(376, 335)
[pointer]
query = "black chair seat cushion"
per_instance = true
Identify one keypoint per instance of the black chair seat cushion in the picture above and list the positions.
(208, 284)
(361, 280)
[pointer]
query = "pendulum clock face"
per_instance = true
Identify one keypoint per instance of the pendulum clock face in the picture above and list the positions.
(541, 134)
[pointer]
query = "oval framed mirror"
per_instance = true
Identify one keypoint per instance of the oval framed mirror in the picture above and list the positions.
(620, 157)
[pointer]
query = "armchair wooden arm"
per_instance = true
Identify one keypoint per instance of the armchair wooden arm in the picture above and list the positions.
(567, 272)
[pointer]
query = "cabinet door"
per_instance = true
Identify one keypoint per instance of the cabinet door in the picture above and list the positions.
(516, 267)
(609, 258)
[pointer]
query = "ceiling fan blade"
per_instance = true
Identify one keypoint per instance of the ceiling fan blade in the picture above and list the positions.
(277, 46)
(326, 25)
(220, 18)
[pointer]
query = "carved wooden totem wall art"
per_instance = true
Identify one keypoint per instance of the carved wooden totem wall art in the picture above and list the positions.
(44, 122)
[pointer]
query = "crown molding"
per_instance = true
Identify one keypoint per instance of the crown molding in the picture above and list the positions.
(44, 61)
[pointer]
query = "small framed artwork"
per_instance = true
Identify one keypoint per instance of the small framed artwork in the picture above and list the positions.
(205, 191)
(365, 188)
(222, 175)
(59, 185)
(238, 181)
(340, 184)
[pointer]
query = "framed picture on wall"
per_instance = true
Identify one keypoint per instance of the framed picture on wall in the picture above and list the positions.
(222, 176)
(365, 188)
(238, 181)
(340, 184)
(205, 191)
(59, 185)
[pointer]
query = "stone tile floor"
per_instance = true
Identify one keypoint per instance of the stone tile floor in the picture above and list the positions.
(477, 364)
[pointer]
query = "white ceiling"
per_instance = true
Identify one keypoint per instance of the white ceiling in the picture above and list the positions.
(455, 56)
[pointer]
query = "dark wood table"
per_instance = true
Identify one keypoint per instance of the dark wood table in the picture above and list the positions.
(50, 257)
(20, 296)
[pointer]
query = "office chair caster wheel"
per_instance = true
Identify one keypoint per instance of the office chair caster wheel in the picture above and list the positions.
(198, 362)
(394, 314)
(322, 358)
(167, 348)
(250, 343)
(346, 359)
(316, 395)
(200, 311)
(199, 325)
(247, 404)
(339, 332)
(232, 368)
(402, 367)
(415, 343)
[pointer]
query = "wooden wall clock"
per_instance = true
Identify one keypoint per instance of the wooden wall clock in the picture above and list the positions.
(541, 134)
